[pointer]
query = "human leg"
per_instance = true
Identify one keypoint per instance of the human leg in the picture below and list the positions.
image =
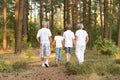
(68, 54)
(42, 48)
(57, 56)
(79, 51)
(47, 51)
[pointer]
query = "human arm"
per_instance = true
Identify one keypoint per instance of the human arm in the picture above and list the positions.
(38, 39)
(87, 39)
(75, 41)
(50, 39)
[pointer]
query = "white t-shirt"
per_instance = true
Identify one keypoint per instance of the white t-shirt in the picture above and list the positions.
(68, 36)
(81, 37)
(44, 35)
(58, 40)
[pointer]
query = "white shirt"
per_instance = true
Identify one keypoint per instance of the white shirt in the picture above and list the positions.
(81, 37)
(58, 40)
(44, 35)
(68, 36)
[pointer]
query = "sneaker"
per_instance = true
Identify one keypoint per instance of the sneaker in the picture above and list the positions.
(46, 64)
(43, 65)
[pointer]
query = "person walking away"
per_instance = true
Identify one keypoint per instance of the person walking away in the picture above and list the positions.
(81, 39)
(68, 39)
(58, 39)
(44, 37)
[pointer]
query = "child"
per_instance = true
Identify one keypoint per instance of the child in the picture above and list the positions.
(68, 36)
(58, 40)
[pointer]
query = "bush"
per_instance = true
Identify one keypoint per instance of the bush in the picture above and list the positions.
(113, 69)
(5, 67)
(79, 69)
(105, 46)
(101, 69)
(20, 65)
(117, 61)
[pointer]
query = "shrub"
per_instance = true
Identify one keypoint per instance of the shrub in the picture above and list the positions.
(117, 61)
(79, 69)
(105, 46)
(20, 65)
(101, 69)
(5, 67)
(113, 69)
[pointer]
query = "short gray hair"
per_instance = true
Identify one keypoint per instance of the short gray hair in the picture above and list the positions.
(80, 26)
(44, 23)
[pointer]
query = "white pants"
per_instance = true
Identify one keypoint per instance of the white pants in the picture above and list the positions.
(79, 51)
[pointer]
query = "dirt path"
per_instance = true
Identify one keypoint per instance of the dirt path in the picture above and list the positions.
(37, 72)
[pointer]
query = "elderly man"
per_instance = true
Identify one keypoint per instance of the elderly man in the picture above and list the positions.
(44, 37)
(81, 39)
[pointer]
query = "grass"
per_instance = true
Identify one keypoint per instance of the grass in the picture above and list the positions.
(12, 62)
(94, 63)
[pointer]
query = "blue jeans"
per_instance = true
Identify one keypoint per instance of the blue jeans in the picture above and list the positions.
(59, 53)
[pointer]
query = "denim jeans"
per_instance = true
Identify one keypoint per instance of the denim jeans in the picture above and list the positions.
(59, 53)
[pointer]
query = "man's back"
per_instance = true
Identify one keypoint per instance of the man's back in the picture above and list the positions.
(44, 35)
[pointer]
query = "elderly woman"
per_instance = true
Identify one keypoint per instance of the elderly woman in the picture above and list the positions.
(81, 39)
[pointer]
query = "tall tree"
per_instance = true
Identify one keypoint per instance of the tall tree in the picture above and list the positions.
(25, 19)
(75, 13)
(84, 12)
(101, 18)
(52, 15)
(18, 28)
(90, 25)
(41, 12)
(118, 43)
(105, 19)
(5, 27)
(66, 12)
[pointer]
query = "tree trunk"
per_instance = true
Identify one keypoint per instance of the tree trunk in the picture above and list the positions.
(101, 18)
(25, 19)
(41, 12)
(118, 43)
(19, 17)
(5, 27)
(74, 14)
(90, 25)
(65, 13)
(84, 12)
(105, 19)
(52, 16)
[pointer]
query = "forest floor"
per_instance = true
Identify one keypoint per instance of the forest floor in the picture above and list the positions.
(36, 72)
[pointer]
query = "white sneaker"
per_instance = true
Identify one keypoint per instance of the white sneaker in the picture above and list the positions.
(43, 65)
(46, 64)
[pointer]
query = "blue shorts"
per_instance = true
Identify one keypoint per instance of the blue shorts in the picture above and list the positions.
(68, 50)
(58, 53)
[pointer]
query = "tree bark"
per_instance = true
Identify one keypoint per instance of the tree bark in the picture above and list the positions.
(118, 41)
(65, 13)
(41, 12)
(101, 18)
(90, 25)
(25, 19)
(105, 19)
(19, 17)
(5, 27)
(52, 16)
(84, 12)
